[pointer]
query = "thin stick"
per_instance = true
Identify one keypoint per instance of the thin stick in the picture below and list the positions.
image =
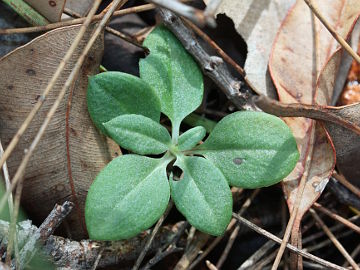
(344, 221)
(290, 247)
(21, 169)
(50, 85)
(74, 21)
(210, 266)
(111, 30)
(7, 182)
(167, 249)
(96, 263)
(336, 242)
(27, 12)
(235, 232)
(353, 254)
(193, 14)
(211, 8)
(298, 198)
(332, 31)
(347, 184)
(151, 238)
(47, 228)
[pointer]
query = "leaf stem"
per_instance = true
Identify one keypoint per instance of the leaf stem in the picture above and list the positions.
(175, 131)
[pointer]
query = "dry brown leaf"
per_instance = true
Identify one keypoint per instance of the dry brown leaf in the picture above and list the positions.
(81, 7)
(71, 151)
(257, 22)
(51, 10)
(300, 51)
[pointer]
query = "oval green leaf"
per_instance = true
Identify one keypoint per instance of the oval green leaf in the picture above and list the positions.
(252, 149)
(203, 195)
(173, 74)
(128, 196)
(111, 94)
(138, 134)
(191, 138)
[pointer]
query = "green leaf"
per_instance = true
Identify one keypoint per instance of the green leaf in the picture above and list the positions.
(173, 74)
(252, 149)
(139, 134)
(191, 138)
(111, 94)
(203, 195)
(128, 196)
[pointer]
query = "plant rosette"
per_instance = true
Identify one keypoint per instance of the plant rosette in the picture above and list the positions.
(245, 149)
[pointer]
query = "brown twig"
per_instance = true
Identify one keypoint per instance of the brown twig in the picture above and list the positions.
(353, 254)
(210, 266)
(199, 240)
(151, 237)
(347, 184)
(167, 249)
(337, 217)
(7, 182)
(336, 242)
(332, 31)
(47, 228)
(212, 66)
(42, 98)
(235, 232)
(51, 26)
(82, 255)
(112, 31)
(290, 247)
(316, 112)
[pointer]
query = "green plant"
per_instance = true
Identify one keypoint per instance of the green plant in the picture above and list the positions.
(245, 149)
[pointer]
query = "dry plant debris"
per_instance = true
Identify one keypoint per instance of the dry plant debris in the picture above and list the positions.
(303, 59)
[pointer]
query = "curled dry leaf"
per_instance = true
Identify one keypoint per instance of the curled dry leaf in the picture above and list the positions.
(295, 64)
(72, 151)
(51, 10)
(257, 22)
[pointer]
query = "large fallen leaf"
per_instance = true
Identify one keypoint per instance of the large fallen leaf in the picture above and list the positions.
(295, 64)
(72, 151)
(51, 10)
(257, 21)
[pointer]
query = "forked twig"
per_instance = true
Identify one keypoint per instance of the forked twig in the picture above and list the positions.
(333, 239)
(332, 31)
(290, 247)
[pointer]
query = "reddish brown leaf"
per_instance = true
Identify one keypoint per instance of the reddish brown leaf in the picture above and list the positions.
(71, 151)
(300, 51)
